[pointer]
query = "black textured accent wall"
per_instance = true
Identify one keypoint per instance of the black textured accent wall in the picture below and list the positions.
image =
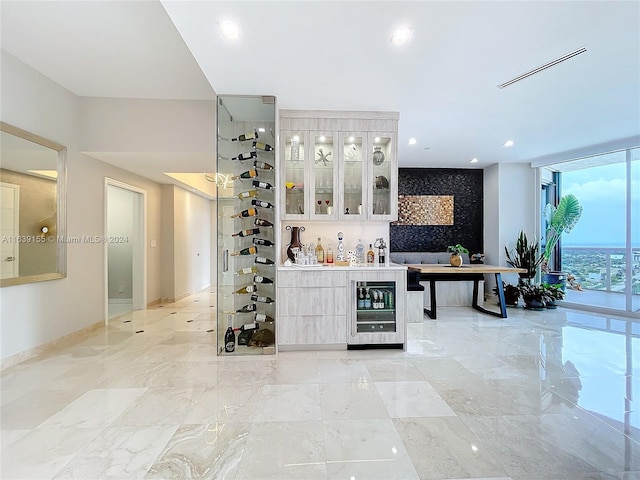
(466, 186)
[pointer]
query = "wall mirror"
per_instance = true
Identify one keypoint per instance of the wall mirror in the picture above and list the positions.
(32, 208)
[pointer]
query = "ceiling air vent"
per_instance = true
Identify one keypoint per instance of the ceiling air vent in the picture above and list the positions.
(543, 67)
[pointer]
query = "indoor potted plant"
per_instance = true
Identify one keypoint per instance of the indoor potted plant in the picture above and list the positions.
(526, 255)
(534, 296)
(456, 254)
(553, 293)
(511, 294)
(560, 219)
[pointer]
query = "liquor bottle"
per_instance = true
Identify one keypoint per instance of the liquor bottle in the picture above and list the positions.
(245, 290)
(319, 252)
(258, 298)
(245, 156)
(247, 271)
(262, 165)
(360, 298)
(252, 307)
(374, 300)
(247, 233)
(263, 241)
(329, 254)
(259, 184)
(245, 251)
(359, 252)
(261, 203)
(262, 146)
(263, 317)
(371, 257)
(250, 212)
(245, 136)
(381, 258)
(264, 261)
(248, 174)
(248, 194)
(367, 299)
(261, 279)
(229, 340)
(260, 222)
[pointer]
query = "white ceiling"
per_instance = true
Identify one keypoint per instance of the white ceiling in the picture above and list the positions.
(338, 55)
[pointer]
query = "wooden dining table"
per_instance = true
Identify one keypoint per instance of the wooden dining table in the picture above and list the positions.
(437, 272)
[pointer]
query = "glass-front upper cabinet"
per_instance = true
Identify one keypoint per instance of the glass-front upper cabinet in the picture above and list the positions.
(351, 186)
(324, 176)
(295, 176)
(382, 178)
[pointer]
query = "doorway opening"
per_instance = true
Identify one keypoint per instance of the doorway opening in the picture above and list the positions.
(125, 249)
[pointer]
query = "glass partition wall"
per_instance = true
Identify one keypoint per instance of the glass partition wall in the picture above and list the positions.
(602, 252)
(246, 214)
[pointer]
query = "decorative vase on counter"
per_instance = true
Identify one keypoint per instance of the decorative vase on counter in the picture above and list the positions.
(295, 241)
(455, 260)
(378, 156)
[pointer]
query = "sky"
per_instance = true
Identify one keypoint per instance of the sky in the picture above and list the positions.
(602, 193)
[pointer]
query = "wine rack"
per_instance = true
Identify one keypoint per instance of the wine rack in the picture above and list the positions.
(246, 213)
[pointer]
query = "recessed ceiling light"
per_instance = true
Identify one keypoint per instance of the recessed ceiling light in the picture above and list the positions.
(401, 35)
(474, 160)
(229, 30)
(322, 138)
(351, 139)
(296, 138)
(412, 141)
(377, 139)
(261, 130)
(509, 143)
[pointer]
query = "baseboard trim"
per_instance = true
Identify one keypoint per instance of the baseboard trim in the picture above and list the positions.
(20, 357)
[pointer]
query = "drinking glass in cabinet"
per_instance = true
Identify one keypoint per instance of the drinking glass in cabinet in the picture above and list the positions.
(323, 173)
(294, 156)
(380, 175)
(353, 173)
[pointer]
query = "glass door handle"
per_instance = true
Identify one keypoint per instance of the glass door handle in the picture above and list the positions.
(225, 260)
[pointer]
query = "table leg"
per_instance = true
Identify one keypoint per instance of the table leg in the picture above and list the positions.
(432, 293)
(503, 307)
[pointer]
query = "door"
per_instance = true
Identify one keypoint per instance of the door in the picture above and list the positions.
(10, 204)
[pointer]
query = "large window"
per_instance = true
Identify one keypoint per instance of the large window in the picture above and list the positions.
(603, 250)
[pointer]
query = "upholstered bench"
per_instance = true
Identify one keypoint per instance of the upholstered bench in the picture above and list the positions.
(451, 294)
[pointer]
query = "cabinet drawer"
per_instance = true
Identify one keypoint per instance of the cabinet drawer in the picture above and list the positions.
(312, 330)
(312, 301)
(323, 277)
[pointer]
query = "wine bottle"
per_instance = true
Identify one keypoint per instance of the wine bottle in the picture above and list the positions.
(229, 340)
(259, 184)
(360, 298)
(250, 212)
(262, 165)
(248, 194)
(245, 290)
(245, 136)
(264, 261)
(319, 252)
(245, 251)
(371, 257)
(367, 299)
(245, 156)
(261, 222)
(260, 299)
(252, 307)
(263, 317)
(247, 233)
(261, 279)
(261, 203)
(248, 326)
(262, 146)
(247, 271)
(248, 174)
(263, 241)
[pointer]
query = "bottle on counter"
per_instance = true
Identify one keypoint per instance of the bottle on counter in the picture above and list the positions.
(359, 252)
(319, 252)
(246, 233)
(245, 156)
(381, 258)
(371, 257)
(245, 136)
(329, 254)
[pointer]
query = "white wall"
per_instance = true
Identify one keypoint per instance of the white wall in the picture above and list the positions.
(509, 207)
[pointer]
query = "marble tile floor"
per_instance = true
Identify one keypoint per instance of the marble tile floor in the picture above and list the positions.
(538, 396)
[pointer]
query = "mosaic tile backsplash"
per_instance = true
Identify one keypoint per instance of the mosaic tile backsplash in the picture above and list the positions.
(464, 186)
(425, 210)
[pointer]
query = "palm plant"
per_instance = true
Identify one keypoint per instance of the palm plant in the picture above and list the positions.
(560, 219)
(526, 255)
